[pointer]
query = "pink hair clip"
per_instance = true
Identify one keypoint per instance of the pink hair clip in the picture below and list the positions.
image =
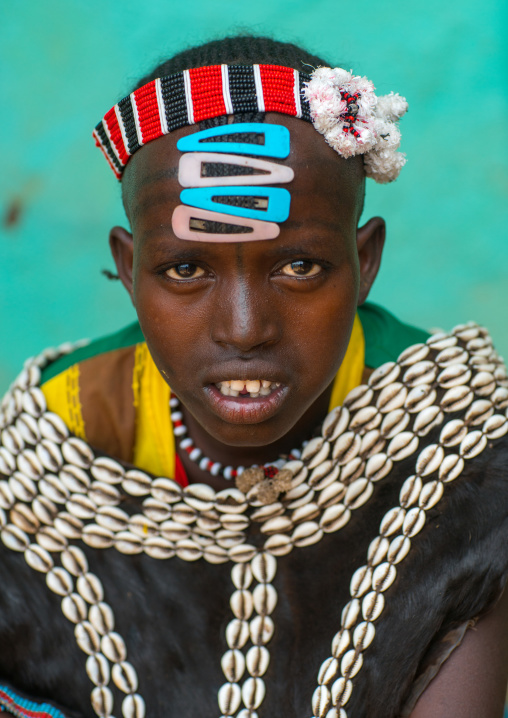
(190, 223)
(190, 170)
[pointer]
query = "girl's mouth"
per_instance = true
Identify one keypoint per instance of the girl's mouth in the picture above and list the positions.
(246, 401)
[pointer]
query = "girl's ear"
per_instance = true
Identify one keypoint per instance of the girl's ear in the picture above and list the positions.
(370, 240)
(122, 249)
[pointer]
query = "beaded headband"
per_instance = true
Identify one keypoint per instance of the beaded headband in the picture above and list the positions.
(341, 106)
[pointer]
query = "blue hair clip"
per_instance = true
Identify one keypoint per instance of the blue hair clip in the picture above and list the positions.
(272, 203)
(275, 140)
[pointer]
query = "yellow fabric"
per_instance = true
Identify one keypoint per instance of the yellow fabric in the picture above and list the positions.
(62, 397)
(154, 445)
(351, 370)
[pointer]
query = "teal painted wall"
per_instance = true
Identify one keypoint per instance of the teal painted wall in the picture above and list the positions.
(64, 63)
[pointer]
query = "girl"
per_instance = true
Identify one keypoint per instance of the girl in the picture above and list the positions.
(269, 497)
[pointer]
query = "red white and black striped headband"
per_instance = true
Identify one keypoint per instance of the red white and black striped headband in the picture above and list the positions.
(341, 106)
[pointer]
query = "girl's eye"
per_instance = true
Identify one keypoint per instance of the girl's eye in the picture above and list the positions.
(301, 268)
(186, 270)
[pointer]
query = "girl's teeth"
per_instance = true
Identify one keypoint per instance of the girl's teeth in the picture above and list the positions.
(253, 386)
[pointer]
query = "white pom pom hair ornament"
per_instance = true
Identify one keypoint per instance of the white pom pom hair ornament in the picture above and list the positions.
(342, 107)
(355, 121)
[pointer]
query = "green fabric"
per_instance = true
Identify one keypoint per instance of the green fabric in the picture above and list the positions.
(385, 336)
(126, 337)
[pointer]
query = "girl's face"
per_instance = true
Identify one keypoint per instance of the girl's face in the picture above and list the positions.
(278, 311)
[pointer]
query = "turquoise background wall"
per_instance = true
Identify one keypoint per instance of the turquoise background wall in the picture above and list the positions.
(65, 62)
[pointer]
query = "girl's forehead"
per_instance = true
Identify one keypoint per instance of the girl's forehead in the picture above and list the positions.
(254, 194)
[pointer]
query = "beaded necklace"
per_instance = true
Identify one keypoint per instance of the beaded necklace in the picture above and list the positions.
(215, 468)
(58, 491)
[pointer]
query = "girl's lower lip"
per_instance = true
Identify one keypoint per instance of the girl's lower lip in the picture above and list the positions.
(240, 410)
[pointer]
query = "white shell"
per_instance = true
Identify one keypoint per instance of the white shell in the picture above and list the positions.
(495, 427)
(69, 526)
(334, 518)
(97, 668)
(265, 598)
(365, 419)
(452, 355)
(304, 513)
(166, 490)
(441, 340)
(14, 538)
(377, 551)
(188, 550)
(402, 446)
(50, 539)
(361, 581)
(392, 521)
(312, 448)
(430, 459)
(101, 617)
(242, 552)
(77, 452)
(306, 534)
(423, 372)
(54, 489)
(483, 384)
(257, 660)
(124, 677)
(363, 635)
(372, 606)
(38, 558)
(321, 701)
(323, 475)
(45, 510)
(342, 639)
(7, 462)
(351, 663)
(90, 588)
(456, 399)
(108, 470)
(399, 549)
(97, 536)
(473, 444)
(391, 397)
(133, 706)
(341, 693)
(241, 575)
(383, 577)
(278, 545)
(59, 581)
(81, 506)
(394, 422)
(242, 604)
(328, 671)
(199, 496)
(453, 432)
(128, 543)
(230, 501)
(29, 464)
(28, 428)
(431, 494)
(102, 701)
(454, 375)
(320, 456)
(159, 547)
(413, 354)
(358, 397)
(87, 637)
(452, 466)
(253, 692)
(261, 630)
(410, 491)
(104, 494)
(74, 608)
(33, 401)
(233, 665)
(358, 493)
(264, 567)
(335, 423)
(331, 495)
(479, 412)
(113, 647)
(75, 561)
(427, 419)
(49, 455)
(237, 633)
(384, 375)
(229, 698)
(142, 526)
(51, 427)
(136, 483)
(346, 447)
(350, 613)
(419, 398)
(75, 479)
(24, 518)
(414, 522)
(12, 440)
(277, 525)
(215, 554)
(373, 443)
(173, 531)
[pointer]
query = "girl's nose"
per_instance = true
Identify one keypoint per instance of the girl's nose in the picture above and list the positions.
(244, 317)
